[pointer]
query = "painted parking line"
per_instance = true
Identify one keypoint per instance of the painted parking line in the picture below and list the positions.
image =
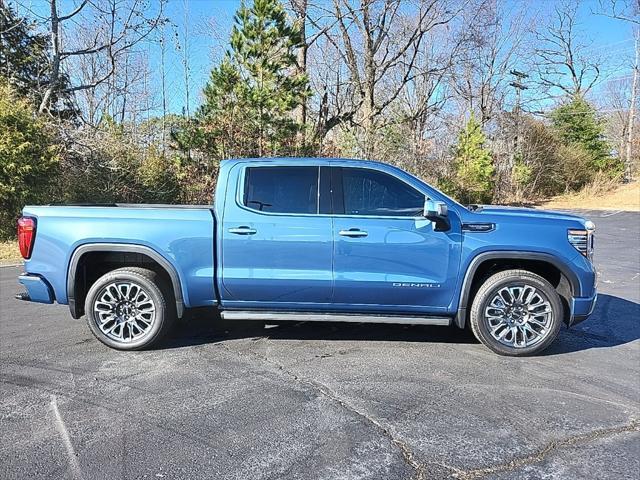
(611, 214)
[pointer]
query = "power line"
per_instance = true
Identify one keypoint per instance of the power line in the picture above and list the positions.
(609, 110)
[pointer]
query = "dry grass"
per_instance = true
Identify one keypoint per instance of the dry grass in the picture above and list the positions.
(600, 196)
(9, 253)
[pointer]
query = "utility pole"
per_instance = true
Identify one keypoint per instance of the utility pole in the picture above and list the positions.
(517, 83)
(519, 86)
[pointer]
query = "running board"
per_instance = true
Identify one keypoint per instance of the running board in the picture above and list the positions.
(333, 317)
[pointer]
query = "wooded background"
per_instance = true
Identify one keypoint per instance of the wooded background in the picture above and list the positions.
(490, 101)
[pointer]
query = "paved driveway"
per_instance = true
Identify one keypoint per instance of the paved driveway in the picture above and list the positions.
(330, 401)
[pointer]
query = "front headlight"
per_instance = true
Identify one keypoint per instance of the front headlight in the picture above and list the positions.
(583, 240)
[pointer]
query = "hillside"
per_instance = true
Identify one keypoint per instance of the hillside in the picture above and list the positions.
(624, 197)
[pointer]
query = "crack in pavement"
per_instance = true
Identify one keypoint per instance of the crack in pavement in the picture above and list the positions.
(420, 469)
(538, 456)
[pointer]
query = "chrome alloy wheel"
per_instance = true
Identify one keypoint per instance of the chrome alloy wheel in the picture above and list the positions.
(519, 316)
(124, 311)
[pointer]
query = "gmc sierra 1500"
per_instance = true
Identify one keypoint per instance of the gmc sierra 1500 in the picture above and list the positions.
(314, 239)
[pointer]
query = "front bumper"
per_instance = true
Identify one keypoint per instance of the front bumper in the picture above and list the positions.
(38, 289)
(582, 307)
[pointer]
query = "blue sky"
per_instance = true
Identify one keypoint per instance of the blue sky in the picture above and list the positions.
(609, 37)
(208, 23)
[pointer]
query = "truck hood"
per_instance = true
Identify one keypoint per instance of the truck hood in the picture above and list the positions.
(493, 210)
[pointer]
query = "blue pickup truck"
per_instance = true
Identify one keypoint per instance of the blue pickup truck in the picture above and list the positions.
(311, 239)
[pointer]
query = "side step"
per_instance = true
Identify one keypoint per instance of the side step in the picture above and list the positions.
(333, 317)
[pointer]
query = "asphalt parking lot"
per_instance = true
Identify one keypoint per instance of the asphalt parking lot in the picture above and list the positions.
(326, 401)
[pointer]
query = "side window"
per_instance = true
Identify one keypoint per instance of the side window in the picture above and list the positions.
(281, 189)
(369, 192)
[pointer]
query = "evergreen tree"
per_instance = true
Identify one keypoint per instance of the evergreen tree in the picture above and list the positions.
(577, 125)
(23, 59)
(250, 97)
(224, 127)
(28, 158)
(472, 180)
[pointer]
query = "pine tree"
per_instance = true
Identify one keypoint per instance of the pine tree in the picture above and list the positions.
(250, 97)
(23, 59)
(577, 125)
(223, 121)
(22, 56)
(473, 180)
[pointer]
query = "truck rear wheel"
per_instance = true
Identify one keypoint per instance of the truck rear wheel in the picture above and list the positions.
(129, 308)
(516, 313)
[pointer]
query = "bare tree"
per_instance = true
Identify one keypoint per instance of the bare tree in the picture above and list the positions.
(615, 94)
(186, 65)
(426, 93)
(102, 29)
(562, 60)
(163, 78)
(373, 38)
(626, 10)
(492, 48)
(123, 96)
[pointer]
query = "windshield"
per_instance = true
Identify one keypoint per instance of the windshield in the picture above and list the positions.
(447, 197)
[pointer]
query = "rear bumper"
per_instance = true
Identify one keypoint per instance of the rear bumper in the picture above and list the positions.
(38, 289)
(581, 308)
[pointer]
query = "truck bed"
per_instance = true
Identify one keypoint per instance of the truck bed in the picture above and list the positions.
(182, 235)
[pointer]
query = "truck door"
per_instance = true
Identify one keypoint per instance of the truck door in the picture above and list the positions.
(276, 247)
(387, 255)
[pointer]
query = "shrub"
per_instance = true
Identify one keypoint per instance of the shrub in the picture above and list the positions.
(579, 128)
(112, 168)
(472, 180)
(29, 158)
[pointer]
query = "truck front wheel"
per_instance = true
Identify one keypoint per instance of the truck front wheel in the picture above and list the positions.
(129, 308)
(516, 313)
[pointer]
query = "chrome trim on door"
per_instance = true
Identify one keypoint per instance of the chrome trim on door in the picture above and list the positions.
(353, 232)
(243, 231)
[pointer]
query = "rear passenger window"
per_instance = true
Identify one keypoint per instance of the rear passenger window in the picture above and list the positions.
(282, 189)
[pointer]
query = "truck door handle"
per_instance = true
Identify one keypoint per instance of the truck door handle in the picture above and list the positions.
(353, 232)
(243, 230)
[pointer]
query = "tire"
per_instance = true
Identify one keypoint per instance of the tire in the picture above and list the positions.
(130, 308)
(525, 327)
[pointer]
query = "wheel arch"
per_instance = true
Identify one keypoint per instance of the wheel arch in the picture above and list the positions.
(548, 266)
(77, 288)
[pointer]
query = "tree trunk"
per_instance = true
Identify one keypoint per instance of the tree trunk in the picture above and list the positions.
(55, 58)
(300, 7)
(300, 114)
(632, 111)
(369, 83)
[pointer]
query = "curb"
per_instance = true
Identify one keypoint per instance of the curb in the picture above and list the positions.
(7, 265)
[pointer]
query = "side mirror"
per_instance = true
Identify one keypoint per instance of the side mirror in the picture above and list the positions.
(438, 213)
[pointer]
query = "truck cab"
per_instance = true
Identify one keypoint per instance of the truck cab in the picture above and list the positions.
(316, 239)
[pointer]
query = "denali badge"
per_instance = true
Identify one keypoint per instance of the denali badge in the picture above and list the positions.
(417, 285)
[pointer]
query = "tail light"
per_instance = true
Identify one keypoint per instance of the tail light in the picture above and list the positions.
(26, 235)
